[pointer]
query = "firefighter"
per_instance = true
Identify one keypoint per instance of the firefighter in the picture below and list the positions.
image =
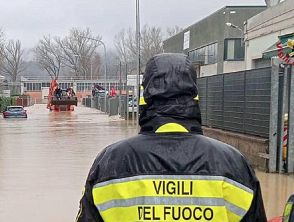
(58, 92)
(170, 171)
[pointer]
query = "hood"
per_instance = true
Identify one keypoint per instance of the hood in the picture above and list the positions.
(170, 94)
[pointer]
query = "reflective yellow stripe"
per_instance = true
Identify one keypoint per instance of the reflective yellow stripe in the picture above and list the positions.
(171, 128)
(196, 98)
(167, 213)
(233, 217)
(214, 191)
(287, 211)
(142, 100)
(181, 188)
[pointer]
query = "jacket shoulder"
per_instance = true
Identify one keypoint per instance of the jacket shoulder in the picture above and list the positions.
(112, 158)
(228, 160)
(221, 147)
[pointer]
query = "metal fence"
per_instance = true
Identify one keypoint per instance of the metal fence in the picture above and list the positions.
(124, 105)
(238, 102)
(114, 105)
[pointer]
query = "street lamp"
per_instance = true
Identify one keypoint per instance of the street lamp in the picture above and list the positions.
(234, 26)
(105, 67)
(229, 24)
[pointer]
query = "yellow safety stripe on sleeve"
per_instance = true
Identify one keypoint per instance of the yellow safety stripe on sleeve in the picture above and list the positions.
(287, 211)
(173, 190)
(171, 128)
(196, 98)
(142, 100)
(233, 217)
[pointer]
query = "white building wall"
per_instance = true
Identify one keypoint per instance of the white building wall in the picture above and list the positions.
(233, 66)
(263, 30)
(208, 70)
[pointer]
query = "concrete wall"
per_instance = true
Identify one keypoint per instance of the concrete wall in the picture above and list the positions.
(263, 30)
(253, 148)
(208, 70)
(35, 95)
(233, 66)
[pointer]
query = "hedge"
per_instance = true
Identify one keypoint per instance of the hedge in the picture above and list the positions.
(6, 101)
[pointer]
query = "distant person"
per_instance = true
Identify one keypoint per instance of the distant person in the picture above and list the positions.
(93, 91)
(70, 92)
(170, 171)
(112, 92)
(58, 92)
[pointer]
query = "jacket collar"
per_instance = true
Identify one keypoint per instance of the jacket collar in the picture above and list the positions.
(166, 124)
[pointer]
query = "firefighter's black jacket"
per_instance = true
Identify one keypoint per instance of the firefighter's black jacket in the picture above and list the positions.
(170, 171)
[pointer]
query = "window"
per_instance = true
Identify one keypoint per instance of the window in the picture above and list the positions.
(79, 87)
(205, 55)
(36, 87)
(212, 53)
(234, 50)
(230, 49)
(29, 87)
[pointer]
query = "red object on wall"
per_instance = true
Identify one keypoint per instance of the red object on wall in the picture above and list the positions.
(276, 219)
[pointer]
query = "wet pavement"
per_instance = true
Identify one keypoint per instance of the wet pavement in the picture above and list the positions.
(44, 161)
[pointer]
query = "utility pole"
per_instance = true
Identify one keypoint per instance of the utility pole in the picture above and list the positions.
(105, 66)
(120, 87)
(91, 70)
(138, 57)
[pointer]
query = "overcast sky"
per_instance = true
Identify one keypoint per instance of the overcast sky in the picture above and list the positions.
(29, 20)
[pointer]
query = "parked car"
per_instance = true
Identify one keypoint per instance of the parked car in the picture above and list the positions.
(15, 112)
(99, 93)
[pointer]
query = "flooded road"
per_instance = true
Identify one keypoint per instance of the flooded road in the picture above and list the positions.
(44, 161)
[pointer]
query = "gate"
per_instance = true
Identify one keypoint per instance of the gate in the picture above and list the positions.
(281, 148)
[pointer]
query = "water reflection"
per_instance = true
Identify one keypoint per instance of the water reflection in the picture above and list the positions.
(44, 161)
(275, 189)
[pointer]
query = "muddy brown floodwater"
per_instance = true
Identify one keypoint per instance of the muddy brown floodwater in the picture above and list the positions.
(44, 161)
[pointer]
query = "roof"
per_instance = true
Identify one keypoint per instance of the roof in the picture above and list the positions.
(229, 6)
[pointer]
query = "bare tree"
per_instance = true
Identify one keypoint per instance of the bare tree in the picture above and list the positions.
(95, 66)
(49, 56)
(78, 51)
(2, 43)
(13, 63)
(171, 31)
(121, 45)
(151, 44)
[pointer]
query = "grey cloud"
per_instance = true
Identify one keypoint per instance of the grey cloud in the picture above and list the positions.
(29, 20)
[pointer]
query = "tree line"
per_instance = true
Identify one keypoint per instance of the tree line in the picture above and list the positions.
(76, 53)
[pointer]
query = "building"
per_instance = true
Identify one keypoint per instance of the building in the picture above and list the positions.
(213, 46)
(265, 31)
(38, 89)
